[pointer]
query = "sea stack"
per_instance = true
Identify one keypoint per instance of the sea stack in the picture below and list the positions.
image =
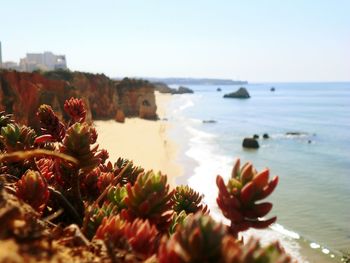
(250, 143)
(241, 93)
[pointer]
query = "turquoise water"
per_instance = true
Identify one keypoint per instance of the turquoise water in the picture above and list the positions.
(312, 198)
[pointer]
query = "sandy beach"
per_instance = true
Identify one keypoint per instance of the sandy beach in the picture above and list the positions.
(144, 142)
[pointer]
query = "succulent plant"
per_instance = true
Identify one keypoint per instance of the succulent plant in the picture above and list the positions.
(112, 229)
(88, 184)
(5, 119)
(252, 252)
(104, 180)
(237, 199)
(142, 237)
(17, 138)
(98, 214)
(46, 168)
(149, 198)
(75, 108)
(197, 240)
(103, 155)
(77, 144)
(33, 189)
(117, 195)
(51, 126)
(131, 173)
(177, 219)
(188, 200)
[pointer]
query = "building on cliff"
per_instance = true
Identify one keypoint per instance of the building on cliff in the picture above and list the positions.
(38, 61)
(43, 61)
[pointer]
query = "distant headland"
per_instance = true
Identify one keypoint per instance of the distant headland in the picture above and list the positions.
(198, 81)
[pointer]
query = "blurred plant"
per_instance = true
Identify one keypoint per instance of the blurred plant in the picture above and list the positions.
(98, 214)
(149, 198)
(188, 200)
(237, 199)
(197, 240)
(142, 237)
(104, 180)
(177, 219)
(52, 128)
(131, 173)
(17, 138)
(75, 108)
(33, 189)
(112, 230)
(200, 239)
(5, 119)
(252, 252)
(117, 195)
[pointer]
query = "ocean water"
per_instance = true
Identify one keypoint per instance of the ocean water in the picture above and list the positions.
(312, 198)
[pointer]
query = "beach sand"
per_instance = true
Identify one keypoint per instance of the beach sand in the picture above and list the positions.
(145, 142)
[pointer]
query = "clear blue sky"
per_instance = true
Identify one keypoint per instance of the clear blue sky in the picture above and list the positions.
(261, 40)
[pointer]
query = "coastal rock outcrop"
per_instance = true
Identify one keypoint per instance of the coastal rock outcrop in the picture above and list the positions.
(120, 116)
(241, 93)
(250, 143)
(21, 93)
(136, 98)
(183, 90)
(164, 88)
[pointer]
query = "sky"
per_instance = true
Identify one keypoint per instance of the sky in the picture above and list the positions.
(254, 40)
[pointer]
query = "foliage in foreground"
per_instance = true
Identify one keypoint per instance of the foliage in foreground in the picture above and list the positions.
(121, 212)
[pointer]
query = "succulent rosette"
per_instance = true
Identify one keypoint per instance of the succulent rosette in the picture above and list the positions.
(33, 189)
(237, 199)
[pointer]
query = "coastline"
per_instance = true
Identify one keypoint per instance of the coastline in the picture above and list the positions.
(130, 140)
(145, 142)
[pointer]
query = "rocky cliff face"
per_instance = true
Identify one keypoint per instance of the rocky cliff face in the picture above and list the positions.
(21, 93)
(136, 98)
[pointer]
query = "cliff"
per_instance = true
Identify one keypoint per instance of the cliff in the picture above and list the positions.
(136, 98)
(21, 93)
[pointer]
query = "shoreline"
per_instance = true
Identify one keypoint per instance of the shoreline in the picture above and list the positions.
(145, 142)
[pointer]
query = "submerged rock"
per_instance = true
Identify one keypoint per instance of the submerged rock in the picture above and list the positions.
(295, 133)
(256, 136)
(209, 121)
(250, 143)
(241, 93)
(266, 136)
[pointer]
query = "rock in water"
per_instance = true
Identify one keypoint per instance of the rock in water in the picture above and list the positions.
(218, 89)
(183, 90)
(250, 143)
(256, 136)
(209, 121)
(272, 89)
(266, 136)
(241, 93)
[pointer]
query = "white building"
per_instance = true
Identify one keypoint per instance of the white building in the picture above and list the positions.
(43, 61)
(37, 61)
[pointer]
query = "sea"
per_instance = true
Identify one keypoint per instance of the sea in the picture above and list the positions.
(308, 125)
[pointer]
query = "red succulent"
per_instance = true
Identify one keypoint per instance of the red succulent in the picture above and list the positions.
(237, 199)
(75, 109)
(32, 189)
